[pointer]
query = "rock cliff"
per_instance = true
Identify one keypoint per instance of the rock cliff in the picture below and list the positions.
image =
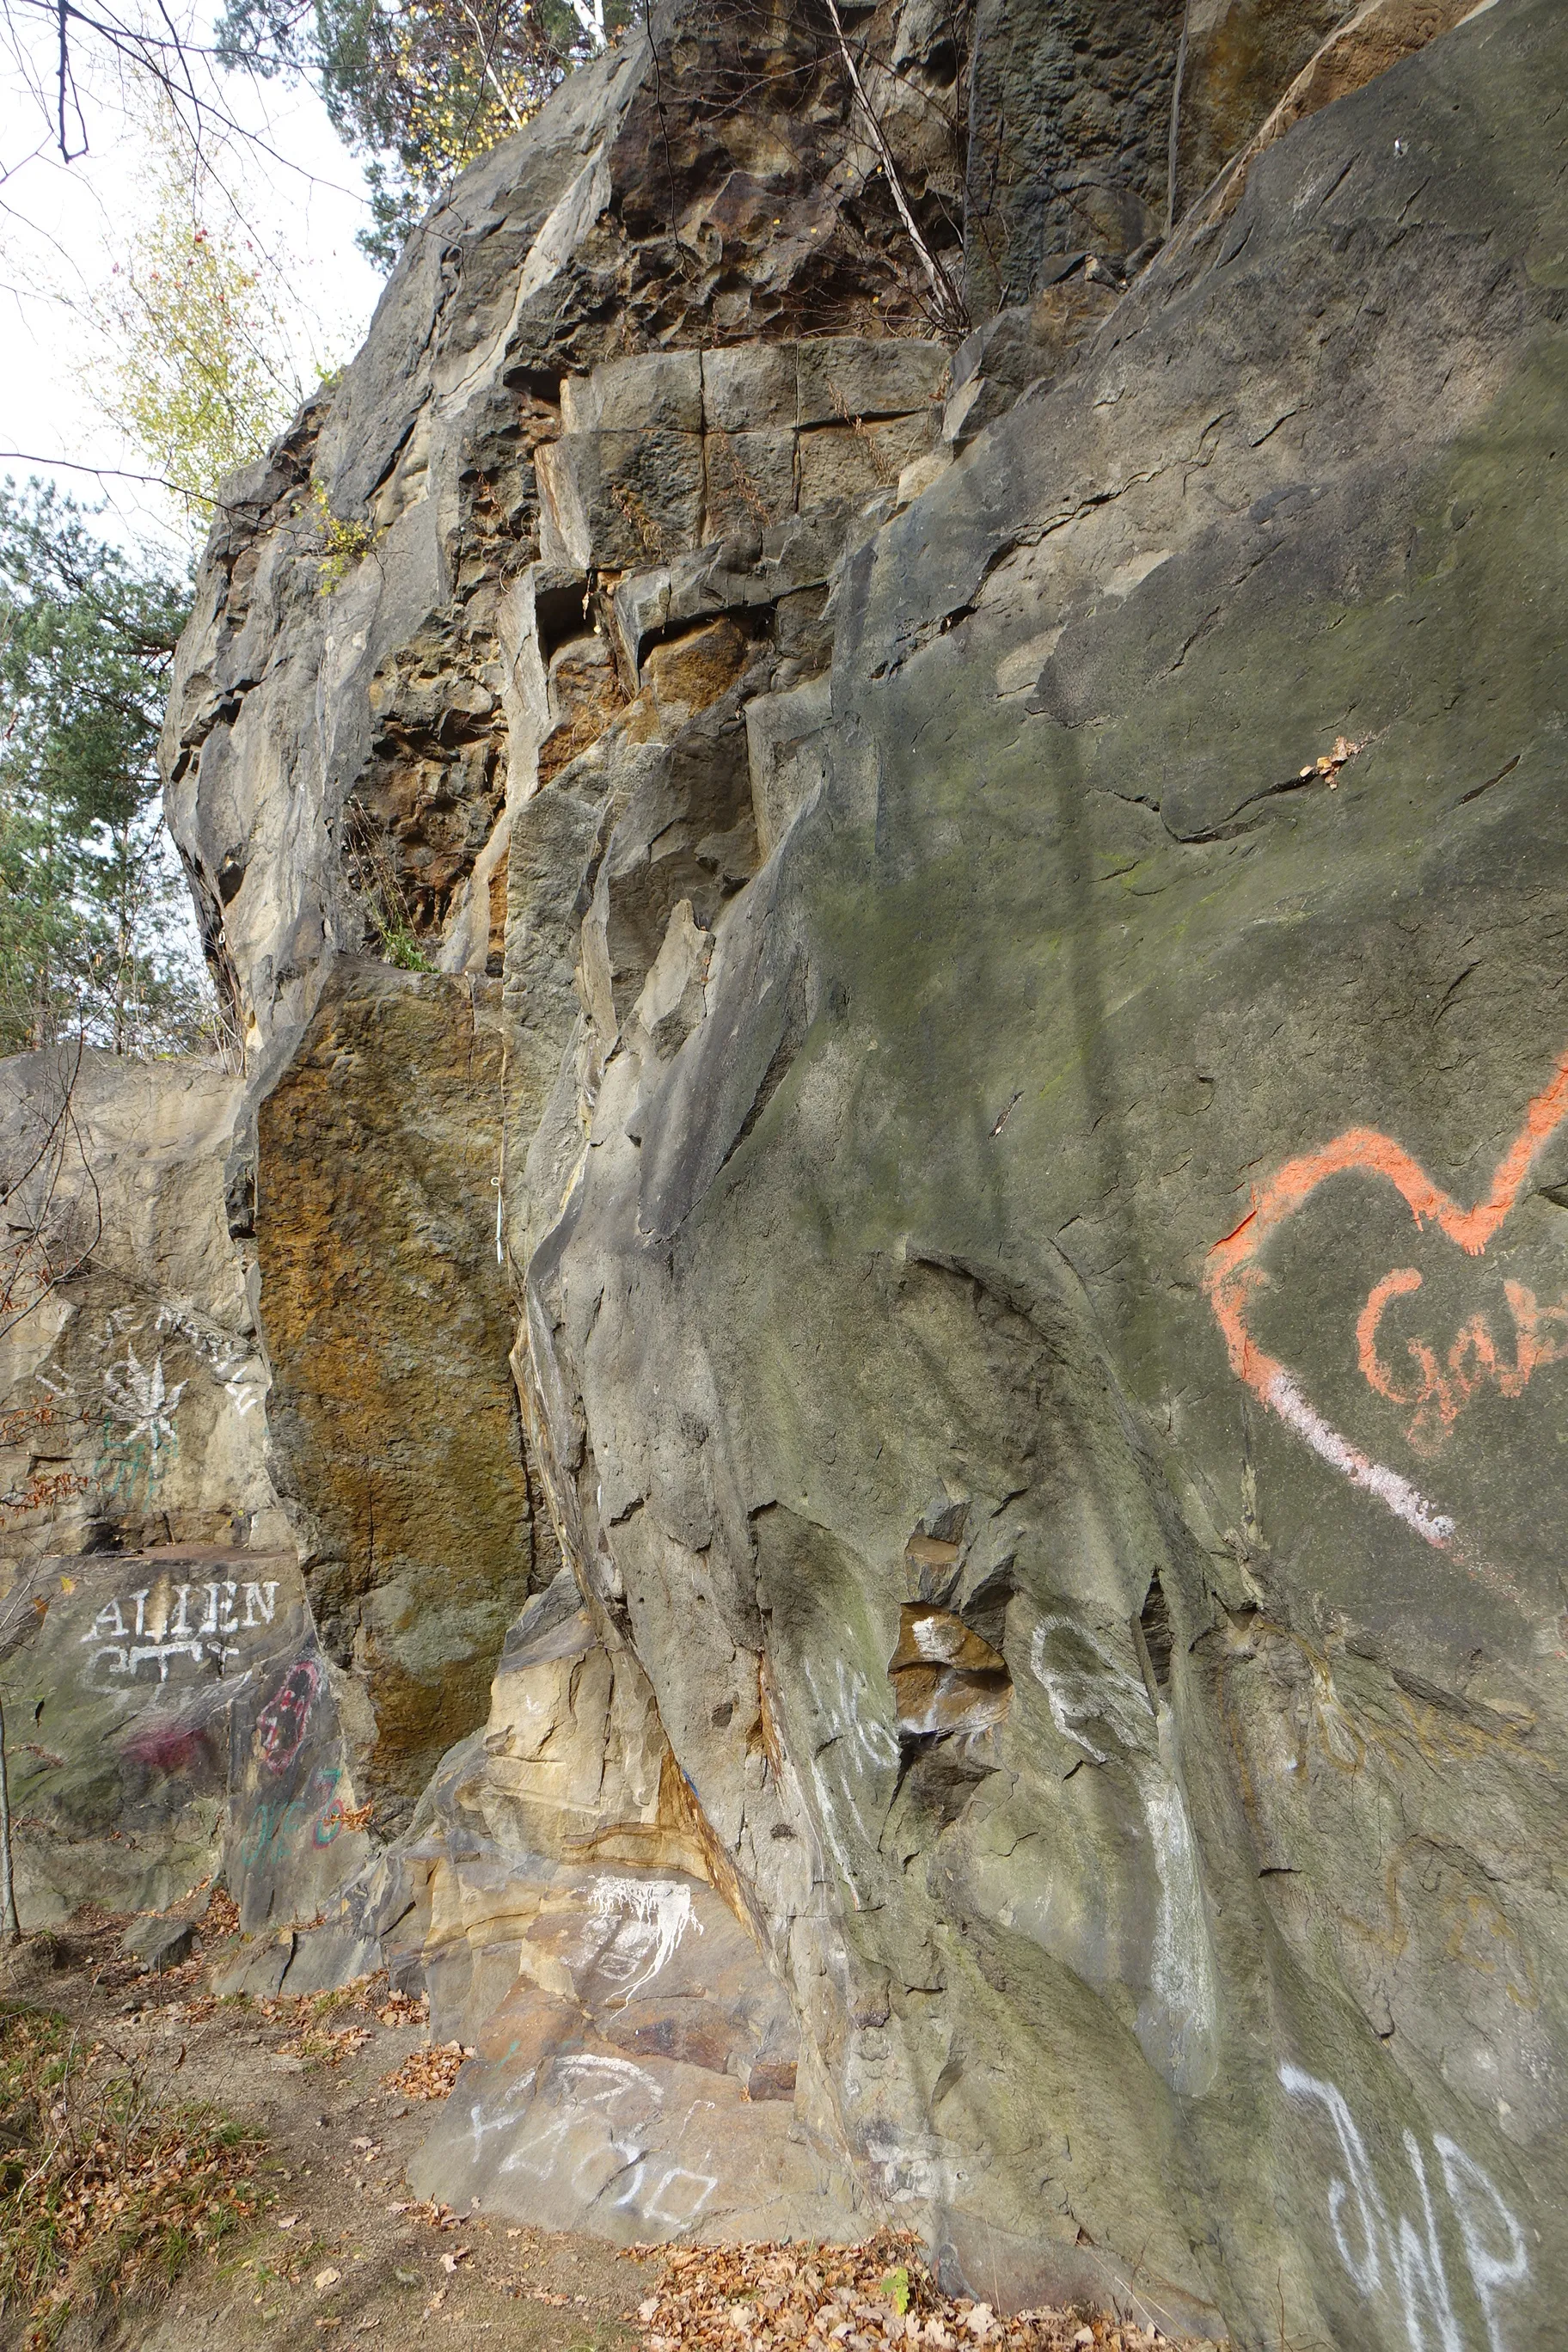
(893, 1217)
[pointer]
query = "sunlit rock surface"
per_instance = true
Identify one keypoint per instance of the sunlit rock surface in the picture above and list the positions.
(957, 952)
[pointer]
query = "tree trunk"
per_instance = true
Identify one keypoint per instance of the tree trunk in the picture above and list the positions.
(10, 1925)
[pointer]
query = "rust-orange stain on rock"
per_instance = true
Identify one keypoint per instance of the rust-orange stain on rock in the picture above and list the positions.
(388, 1323)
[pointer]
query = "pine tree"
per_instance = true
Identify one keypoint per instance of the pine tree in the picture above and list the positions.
(95, 935)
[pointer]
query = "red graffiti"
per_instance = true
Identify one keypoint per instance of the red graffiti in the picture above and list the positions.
(1233, 1274)
(164, 1747)
(280, 1725)
(1441, 1390)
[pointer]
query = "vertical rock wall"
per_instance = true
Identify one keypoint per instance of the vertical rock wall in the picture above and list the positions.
(986, 917)
(393, 1416)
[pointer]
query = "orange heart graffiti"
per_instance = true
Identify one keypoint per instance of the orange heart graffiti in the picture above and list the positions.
(1232, 1276)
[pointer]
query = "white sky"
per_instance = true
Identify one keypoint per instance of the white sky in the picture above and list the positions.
(57, 226)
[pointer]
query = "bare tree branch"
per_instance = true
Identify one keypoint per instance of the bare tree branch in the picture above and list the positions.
(33, 1271)
(947, 303)
(114, 473)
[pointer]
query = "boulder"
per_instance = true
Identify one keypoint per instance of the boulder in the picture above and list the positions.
(170, 1718)
(636, 2078)
(161, 1941)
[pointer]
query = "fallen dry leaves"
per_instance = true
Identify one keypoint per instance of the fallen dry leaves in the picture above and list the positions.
(1329, 763)
(314, 2037)
(861, 2298)
(435, 2215)
(223, 1914)
(405, 2008)
(428, 2073)
(328, 2044)
(107, 2189)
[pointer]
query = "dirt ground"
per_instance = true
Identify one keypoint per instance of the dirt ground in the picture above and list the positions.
(337, 2250)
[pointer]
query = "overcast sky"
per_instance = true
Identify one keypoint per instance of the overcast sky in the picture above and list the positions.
(303, 201)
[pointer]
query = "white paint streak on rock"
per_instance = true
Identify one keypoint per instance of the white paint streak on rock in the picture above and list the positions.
(662, 1907)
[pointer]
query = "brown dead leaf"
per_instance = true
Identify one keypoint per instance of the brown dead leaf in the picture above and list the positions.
(428, 2073)
(843, 2299)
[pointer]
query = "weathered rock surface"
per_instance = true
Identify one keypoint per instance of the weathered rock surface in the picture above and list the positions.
(638, 2077)
(169, 1716)
(618, 226)
(940, 1198)
(636, 2062)
(131, 1364)
(997, 915)
(393, 1413)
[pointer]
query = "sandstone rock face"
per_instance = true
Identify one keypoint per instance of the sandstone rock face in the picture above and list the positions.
(637, 2076)
(1069, 112)
(170, 1717)
(393, 1415)
(134, 1387)
(1071, 1218)
(635, 2066)
(1236, 58)
(331, 781)
(986, 1048)
(169, 1713)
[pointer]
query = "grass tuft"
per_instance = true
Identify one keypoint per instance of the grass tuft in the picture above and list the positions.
(108, 2188)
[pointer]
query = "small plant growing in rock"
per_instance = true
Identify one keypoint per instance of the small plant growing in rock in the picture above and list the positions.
(382, 901)
(346, 542)
(745, 488)
(886, 472)
(399, 946)
(641, 521)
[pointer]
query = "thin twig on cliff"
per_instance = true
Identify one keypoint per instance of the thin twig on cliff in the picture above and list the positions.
(663, 124)
(114, 473)
(12, 1619)
(948, 306)
(10, 1925)
(488, 69)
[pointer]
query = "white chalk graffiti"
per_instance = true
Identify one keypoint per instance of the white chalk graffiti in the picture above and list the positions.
(138, 1451)
(510, 2113)
(156, 1636)
(626, 2098)
(1406, 2258)
(861, 1745)
(629, 2106)
(1103, 1692)
(651, 1915)
(240, 1374)
(1181, 2039)
(847, 1715)
(682, 2208)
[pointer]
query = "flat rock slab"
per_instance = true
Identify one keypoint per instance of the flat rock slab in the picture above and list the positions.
(180, 1720)
(638, 2080)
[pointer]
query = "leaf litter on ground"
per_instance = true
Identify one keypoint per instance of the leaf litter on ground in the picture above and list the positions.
(428, 2074)
(864, 2298)
(109, 2187)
